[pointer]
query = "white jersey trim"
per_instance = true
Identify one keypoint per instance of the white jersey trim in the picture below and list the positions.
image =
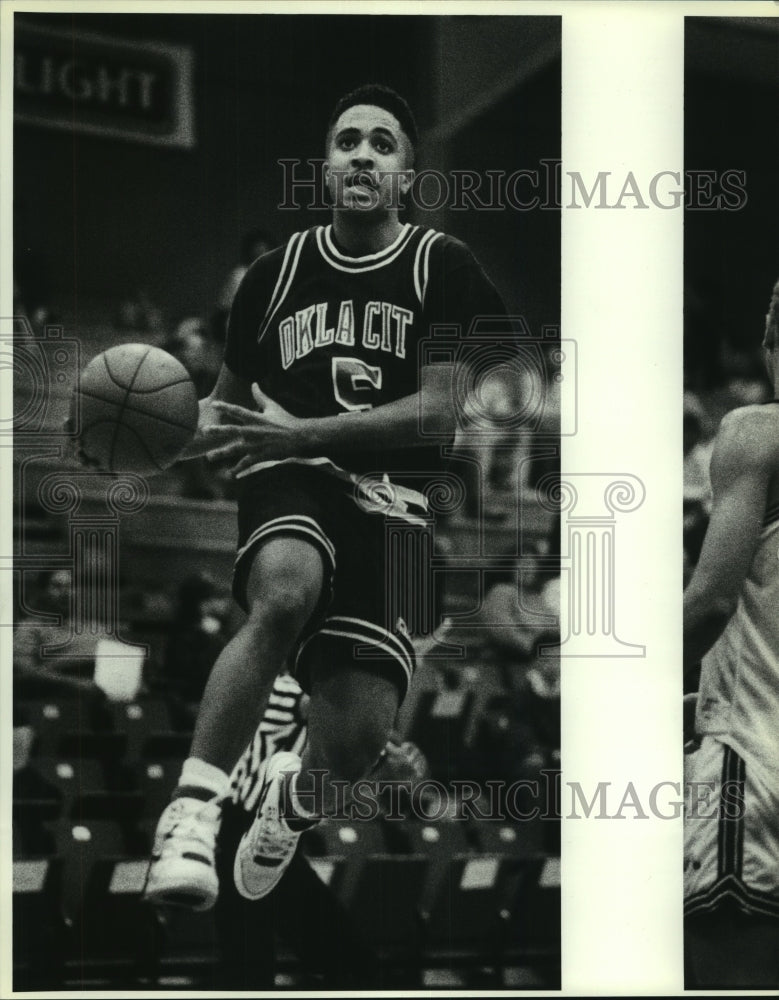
(368, 633)
(287, 271)
(370, 262)
(422, 264)
(299, 524)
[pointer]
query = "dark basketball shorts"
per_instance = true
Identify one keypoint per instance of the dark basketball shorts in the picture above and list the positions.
(353, 617)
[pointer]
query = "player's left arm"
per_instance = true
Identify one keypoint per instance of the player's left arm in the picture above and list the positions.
(742, 463)
(270, 432)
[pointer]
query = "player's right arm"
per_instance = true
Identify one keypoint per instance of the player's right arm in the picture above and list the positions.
(229, 388)
(743, 461)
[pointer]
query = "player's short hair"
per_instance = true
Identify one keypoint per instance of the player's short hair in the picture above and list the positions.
(771, 338)
(379, 96)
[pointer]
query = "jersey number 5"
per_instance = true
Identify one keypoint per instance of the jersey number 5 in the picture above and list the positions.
(354, 383)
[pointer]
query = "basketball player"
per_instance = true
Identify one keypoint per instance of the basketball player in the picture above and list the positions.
(321, 385)
(732, 835)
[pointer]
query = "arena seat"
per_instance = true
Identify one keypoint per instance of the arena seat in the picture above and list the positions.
(533, 923)
(346, 838)
(115, 934)
(512, 838)
(39, 929)
(156, 778)
(468, 912)
(137, 720)
(51, 717)
(80, 845)
(385, 900)
(102, 745)
(438, 728)
(438, 841)
(122, 806)
(59, 778)
(165, 745)
(188, 943)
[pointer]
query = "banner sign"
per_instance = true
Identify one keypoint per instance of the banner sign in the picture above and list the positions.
(140, 91)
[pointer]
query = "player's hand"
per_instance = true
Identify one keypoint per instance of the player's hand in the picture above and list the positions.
(403, 761)
(267, 433)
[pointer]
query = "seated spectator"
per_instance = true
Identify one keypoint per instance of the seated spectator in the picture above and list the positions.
(139, 313)
(253, 245)
(539, 697)
(200, 355)
(517, 610)
(71, 669)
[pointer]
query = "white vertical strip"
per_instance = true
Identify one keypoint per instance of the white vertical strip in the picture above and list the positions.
(622, 304)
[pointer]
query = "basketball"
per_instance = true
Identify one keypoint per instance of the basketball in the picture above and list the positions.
(137, 409)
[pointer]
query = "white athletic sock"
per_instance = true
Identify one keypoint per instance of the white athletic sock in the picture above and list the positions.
(199, 774)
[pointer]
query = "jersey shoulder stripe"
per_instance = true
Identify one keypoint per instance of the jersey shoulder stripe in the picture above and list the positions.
(284, 281)
(422, 263)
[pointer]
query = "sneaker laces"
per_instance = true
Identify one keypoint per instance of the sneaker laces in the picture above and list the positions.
(188, 823)
(271, 841)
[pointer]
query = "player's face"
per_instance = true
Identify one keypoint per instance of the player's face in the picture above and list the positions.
(367, 160)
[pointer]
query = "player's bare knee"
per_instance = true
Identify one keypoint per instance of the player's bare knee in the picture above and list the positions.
(284, 588)
(283, 611)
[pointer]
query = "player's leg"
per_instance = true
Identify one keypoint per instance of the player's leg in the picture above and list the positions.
(358, 670)
(351, 714)
(727, 949)
(731, 879)
(283, 589)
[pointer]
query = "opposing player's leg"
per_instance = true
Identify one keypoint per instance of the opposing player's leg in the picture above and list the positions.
(731, 879)
(283, 589)
(728, 949)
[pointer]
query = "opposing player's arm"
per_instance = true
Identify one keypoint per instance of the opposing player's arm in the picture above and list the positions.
(742, 463)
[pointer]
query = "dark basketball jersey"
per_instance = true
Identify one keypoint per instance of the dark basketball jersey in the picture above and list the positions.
(323, 333)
